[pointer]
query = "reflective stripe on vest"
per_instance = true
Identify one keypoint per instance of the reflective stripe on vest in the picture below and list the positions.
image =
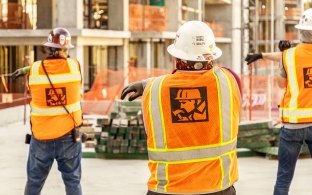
(72, 76)
(164, 156)
(293, 112)
(55, 110)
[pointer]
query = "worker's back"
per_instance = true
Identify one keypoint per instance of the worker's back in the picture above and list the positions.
(48, 117)
(192, 120)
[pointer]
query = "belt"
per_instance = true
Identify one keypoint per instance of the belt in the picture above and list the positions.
(68, 134)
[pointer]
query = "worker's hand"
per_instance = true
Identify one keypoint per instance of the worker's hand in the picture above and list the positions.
(17, 73)
(284, 44)
(136, 87)
(253, 57)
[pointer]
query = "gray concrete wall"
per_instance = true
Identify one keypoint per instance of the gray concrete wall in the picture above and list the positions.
(69, 14)
(44, 13)
(118, 14)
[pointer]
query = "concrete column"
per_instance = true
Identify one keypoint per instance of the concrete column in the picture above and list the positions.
(236, 36)
(174, 14)
(118, 14)
(196, 4)
(118, 56)
(125, 51)
(144, 54)
(279, 20)
(44, 13)
(77, 52)
(69, 14)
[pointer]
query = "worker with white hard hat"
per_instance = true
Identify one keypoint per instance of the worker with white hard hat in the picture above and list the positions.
(191, 118)
(296, 107)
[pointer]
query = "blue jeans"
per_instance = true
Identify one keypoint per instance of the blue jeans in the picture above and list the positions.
(41, 157)
(290, 144)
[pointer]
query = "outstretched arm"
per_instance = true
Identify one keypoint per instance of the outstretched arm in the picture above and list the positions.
(20, 72)
(136, 87)
(274, 56)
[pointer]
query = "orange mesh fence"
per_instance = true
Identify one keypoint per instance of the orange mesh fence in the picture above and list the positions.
(108, 86)
(260, 99)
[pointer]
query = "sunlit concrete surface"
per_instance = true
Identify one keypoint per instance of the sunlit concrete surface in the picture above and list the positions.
(120, 177)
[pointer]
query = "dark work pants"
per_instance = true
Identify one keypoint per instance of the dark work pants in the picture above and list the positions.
(228, 191)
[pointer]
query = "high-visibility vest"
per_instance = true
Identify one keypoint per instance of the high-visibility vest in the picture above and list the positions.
(296, 105)
(192, 122)
(49, 119)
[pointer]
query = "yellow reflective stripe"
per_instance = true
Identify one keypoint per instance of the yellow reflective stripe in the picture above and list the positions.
(204, 153)
(298, 113)
(162, 177)
(219, 106)
(226, 104)
(192, 147)
(55, 79)
(194, 160)
(225, 161)
(156, 113)
(162, 115)
(150, 111)
(231, 102)
(292, 77)
(59, 110)
(35, 68)
(73, 66)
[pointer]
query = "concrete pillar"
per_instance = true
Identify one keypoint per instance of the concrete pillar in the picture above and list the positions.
(69, 14)
(196, 4)
(236, 36)
(144, 58)
(279, 20)
(77, 52)
(44, 13)
(174, 14)
(118, 14)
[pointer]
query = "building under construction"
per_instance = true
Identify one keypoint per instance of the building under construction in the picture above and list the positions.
(122, 41)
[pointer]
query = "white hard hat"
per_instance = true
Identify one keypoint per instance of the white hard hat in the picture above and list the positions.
(194, 40)
(305, 22)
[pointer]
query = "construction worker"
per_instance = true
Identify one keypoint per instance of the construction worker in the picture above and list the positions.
(190, 154)
(295, 107)
(55, 85)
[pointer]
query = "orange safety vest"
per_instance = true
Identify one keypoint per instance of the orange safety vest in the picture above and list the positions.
(192, 122)
(296, 106)
(49, 120)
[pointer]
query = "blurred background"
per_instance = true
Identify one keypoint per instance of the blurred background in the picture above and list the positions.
(121, 41)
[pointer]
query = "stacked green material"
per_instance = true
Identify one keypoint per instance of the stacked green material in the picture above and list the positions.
(125, 137)
(261, 137)
(256, 134)
(122, 139)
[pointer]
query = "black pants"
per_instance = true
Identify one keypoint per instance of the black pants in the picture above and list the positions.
(228, 191)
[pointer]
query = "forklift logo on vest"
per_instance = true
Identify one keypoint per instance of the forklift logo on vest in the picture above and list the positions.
(307, 75)
(188, 104)
(53, 99)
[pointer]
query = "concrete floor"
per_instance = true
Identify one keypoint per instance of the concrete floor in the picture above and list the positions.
(120, 177)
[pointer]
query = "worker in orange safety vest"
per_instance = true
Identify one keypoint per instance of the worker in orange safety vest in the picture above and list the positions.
(55, 86)
(191, 118)
(295, 108)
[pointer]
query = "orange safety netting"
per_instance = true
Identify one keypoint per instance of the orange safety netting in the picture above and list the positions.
(108, 86)
(260, 99)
